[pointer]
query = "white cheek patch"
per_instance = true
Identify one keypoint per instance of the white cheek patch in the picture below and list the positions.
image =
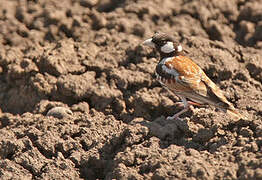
(179, 48)
(168, 47)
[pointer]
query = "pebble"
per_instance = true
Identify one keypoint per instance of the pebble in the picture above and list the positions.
(59, 112)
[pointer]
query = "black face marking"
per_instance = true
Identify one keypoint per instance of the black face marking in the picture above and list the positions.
(160, 39)
(162, 73)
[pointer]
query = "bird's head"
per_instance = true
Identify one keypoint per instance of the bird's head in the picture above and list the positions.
(164, 44)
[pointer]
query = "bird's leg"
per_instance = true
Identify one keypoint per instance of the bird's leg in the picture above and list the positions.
(186, 108)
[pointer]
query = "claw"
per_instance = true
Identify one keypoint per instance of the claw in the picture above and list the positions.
(186, 108)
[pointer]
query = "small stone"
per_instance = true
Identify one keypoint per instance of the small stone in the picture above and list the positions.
(88, 3)
(59, 112)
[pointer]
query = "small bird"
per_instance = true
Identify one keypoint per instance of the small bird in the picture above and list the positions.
(183, 77)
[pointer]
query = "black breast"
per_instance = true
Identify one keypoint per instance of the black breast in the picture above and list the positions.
(160, 70)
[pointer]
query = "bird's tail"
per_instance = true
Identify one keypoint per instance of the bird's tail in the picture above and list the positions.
(235, 114)
(220, 101)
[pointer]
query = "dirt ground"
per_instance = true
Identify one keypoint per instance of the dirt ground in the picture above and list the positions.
(78, 97)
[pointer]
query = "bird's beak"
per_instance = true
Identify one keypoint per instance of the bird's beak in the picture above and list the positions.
(149, 43)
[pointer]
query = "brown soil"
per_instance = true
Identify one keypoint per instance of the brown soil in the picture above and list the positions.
(85, 57)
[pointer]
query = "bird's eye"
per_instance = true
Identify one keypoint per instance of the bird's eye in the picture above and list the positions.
(162, 43)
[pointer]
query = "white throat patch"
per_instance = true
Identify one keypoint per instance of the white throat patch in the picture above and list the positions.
(168, 47)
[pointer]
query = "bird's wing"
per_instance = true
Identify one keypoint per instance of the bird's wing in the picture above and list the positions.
(195, 84)
(181, 75)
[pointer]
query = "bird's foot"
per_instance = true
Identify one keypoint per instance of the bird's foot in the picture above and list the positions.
(179, 104)
(176, 116)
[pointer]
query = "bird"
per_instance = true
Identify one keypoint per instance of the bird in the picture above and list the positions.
(181, 76)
